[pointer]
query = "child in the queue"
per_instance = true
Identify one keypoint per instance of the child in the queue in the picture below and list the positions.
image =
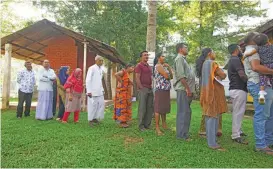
(74, 89)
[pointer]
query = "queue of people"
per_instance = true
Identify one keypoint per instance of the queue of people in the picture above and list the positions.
(251, 72)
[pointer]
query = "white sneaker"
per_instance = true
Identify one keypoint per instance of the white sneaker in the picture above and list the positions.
(262, 93)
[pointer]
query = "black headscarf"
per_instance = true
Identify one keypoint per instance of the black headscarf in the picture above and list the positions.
(199, 62)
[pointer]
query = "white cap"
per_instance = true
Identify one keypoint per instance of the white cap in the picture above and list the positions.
(98, 57)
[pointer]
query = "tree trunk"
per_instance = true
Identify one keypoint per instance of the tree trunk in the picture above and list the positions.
(108, 81)
(105, 88)
(151, 27)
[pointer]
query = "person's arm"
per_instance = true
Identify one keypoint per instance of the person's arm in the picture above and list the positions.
(119, 76)
(89, 81)
(180, 75)
(42, 77)
(138, 72)
(220, 73)
(52, 75)
(247, 54)
(240, 70)
(161, 71)
(170, 70)
(19, 77)
(257, 67)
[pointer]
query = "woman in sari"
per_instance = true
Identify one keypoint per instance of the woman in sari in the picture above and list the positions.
(212, 98)
(162, 104)
(123, 98)
(199, 64)
(61, 79)
(74, 89)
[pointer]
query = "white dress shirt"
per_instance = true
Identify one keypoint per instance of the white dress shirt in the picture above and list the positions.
(94, 80)
(46, 77)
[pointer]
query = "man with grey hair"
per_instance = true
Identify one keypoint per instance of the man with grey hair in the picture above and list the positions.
(26, 81)
(95, 92)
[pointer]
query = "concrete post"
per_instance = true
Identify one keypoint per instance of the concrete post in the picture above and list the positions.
(84, 75)
(6, 73)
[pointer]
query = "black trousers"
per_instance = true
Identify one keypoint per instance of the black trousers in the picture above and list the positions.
(61, 108)
(54, 98)
(24, 97)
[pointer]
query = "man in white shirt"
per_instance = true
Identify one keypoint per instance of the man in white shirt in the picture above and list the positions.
(95, 92)
(26, 81)
(45, 92)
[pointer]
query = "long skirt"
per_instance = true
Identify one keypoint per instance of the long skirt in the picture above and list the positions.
(123, 106)
(162, 103)
(75, 104)
(45, 105)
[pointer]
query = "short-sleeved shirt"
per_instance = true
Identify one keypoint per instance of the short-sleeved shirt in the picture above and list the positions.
(235, 82)
(183, 70)
(252, 75)
(26, 80)
(145, 72)
(266, 54)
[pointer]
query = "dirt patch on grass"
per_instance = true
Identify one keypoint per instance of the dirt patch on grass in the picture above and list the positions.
(132, 140)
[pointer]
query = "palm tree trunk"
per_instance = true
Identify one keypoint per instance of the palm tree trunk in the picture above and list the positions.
(151, 27)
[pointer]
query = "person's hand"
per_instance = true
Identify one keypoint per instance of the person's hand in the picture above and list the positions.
(218, 78)
(119, 85)
(89, 95)
(70, 98)
(189, 93)
(166, 65)
(139, 88)
(243, 58)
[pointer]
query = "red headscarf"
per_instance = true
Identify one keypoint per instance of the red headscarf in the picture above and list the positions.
(74, 81)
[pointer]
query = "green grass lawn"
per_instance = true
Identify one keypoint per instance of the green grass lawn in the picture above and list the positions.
(29, 143)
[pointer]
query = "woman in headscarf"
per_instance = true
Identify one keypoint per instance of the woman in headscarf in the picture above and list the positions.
(74, 89)
(62, 77)
(162, 104)
(123, 98)
(212, 97)
(199, 65)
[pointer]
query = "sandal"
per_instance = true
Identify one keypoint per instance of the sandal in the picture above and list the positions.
(240, 140)
(203, 135)
(124, 125)
(219, 134)
(218, 148)
(266, 150)
(159, 133)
